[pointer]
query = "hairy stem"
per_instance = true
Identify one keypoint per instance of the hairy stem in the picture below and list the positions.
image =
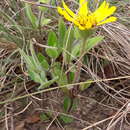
(79, 62)
(79, 66)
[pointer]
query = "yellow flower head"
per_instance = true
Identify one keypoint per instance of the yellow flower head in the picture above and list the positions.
(84, 18)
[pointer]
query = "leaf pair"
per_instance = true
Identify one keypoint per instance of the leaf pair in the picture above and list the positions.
(37, 67)
(91, 43)
(33, 19)
(55, 42)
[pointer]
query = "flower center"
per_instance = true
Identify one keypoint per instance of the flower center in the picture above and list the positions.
(86, 21)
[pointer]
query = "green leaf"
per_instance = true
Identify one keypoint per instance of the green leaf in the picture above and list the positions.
(57, 71)
(33, 66)
(91, 43)
(35, 76)
(52, 42)
(52, 39)
(43, 2)
(47, 83)
(43, 61)
(76, 33)
(32, 18)
(75, 51)
(28, 59)
(74, 105)
(66, 119)
(44, 117)
(67, 103)
(43, 76)
(53, 2)
(35, 58)
(53, 53)
(45, 21)
(62, 78)
(71, 76)
(86, 85)
(61, 33)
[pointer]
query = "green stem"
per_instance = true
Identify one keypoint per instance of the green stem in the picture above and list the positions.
(79, 63)
(39, 22)
(75, 89)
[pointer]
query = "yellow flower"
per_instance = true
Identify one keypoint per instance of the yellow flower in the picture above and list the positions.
(84, 18)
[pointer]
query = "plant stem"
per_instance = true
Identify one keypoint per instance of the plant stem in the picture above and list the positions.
(79, 66)
(75, 89)
(39, 22)
(79, 63)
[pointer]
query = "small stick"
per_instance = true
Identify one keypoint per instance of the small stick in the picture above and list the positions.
(39, 4)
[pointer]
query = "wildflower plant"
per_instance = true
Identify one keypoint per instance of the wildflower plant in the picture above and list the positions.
(67, 44)
(62, 44)
(86, 20)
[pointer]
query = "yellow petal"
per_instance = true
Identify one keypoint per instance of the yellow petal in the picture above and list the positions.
(78, 25)
(81, 27)
(81, 2)
(108, 12)
(104, 12)
(83, 8)
(68, 10)
(106, 6)
(60, 10)
(68, 17)
(111, 10)
(101, 6)
(65, 14)
(100, 12)
(111, 19)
